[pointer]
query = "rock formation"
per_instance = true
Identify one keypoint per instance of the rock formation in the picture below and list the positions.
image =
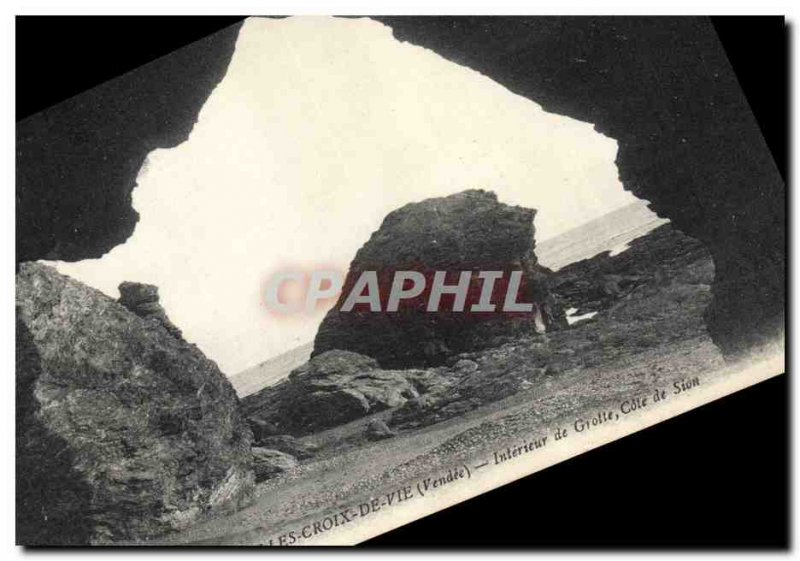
(142, 300)
(124, 431)
(467, 231)
(595, 284)
(662, 287)
(333, 388)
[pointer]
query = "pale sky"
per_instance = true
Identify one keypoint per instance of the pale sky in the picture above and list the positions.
(320, 128)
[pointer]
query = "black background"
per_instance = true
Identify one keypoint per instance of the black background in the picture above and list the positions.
(716, 477)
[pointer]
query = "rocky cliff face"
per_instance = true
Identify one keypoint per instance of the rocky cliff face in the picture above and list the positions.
(468, 231)
(124, 431)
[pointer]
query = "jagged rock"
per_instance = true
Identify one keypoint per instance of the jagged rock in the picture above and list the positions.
(289, 445)
(378, 430)
(124, 432)
(465, 231)
(596, 284)
(269, 463)
(333, 388)
(142, 300)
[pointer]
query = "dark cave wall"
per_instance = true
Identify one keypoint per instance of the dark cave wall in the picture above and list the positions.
(688, 142)
(77, 162)
(662, 87)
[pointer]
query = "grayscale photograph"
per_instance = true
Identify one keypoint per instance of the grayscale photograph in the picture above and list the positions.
(309, 279)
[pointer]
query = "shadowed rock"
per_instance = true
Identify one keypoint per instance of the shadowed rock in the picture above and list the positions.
(145, 430)
(467, 231)
(333, 388)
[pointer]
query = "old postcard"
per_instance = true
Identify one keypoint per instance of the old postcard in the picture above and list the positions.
(309, 279)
